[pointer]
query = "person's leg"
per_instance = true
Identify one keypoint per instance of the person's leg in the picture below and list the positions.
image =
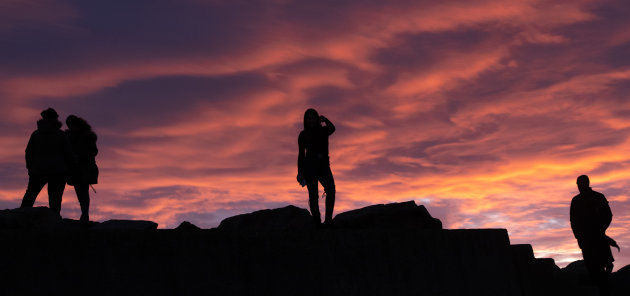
(328, 182)
(313, 202)
(56, 185)
(83, 195)
(35, 185)
(601, 279)
(609, 268)
(597, 273)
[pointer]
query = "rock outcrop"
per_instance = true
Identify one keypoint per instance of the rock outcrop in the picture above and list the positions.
(187, 226)
(289, 218)
(39, 218)
(395, 249)
(620, 281)
(405, 215)
(126, 225)
(574, 280)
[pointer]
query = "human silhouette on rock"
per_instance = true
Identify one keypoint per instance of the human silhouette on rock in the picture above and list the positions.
(85, 172)
(48, 160)
(314, 163)
(590, 217)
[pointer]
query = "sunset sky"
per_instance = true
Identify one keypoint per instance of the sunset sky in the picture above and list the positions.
(483, 111)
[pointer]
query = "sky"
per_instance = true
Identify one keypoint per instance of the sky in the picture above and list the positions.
(485, 112)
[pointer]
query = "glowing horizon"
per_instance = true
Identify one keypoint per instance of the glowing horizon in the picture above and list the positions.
(484, 112)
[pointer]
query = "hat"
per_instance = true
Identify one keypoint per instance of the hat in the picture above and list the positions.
(49, 113)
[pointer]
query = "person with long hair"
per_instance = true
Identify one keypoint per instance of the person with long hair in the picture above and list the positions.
(314, 163)
(48, 160)
(85, 172)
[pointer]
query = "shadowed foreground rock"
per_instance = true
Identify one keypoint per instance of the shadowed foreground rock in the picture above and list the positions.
(271, 252)
(126, 225)
(405, 215)
(39, 218)
(287, 219)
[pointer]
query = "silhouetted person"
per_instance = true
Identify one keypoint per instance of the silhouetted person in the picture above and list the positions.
(590, 217)
(85, 172)
(47, 160)
(314, 163)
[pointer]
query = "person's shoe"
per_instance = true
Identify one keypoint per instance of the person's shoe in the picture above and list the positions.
(84, 218)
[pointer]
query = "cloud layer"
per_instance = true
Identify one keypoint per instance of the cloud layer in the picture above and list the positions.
(485, 112)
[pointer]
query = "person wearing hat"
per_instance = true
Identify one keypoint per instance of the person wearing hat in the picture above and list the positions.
(48, 159)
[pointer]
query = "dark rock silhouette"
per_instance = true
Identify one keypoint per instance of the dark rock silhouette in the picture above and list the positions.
(535, 275)
(126, 225)
(24, 219)
(187, 226)
(620, 282)
(394, 215)
(42, 218)
(575, 279)
(274, 252)
(289, 218)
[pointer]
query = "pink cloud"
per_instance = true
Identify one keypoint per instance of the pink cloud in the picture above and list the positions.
(46, 14)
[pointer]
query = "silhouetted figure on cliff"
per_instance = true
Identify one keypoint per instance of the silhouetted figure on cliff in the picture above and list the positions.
(590, 217)
(314, 163)
(48, 160)
(83, 145)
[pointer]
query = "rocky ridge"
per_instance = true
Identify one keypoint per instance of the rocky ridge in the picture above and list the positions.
(392, 249)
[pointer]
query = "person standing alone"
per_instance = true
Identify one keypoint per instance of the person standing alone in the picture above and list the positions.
(314, 163)
(590, 217)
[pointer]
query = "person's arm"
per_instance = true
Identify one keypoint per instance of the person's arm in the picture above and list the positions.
(330, 127)
(301, 157)
(606, 215)
(28, 155)
(92, 148)
(572, 216)
(576, 218)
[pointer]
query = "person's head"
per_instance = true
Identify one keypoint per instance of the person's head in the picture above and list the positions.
(583, 183)
(49, 119)
(311, 119)
(76, 123)
(49, 114)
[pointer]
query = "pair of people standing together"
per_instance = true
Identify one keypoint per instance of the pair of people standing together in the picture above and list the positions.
(55, 157)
